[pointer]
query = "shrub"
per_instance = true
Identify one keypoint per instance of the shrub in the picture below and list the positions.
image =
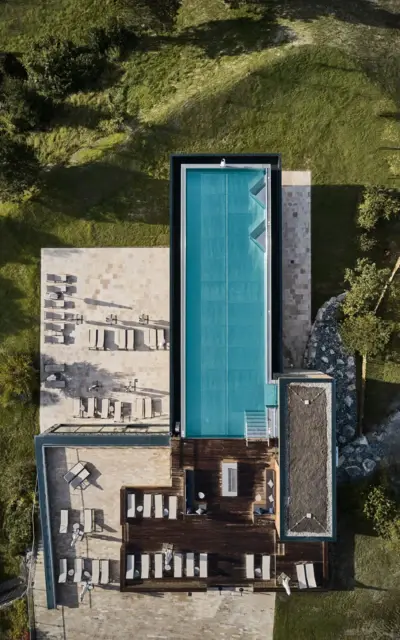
(12, 67)
(19, 168)
(378, 204)
(115, 36)
(58, 67)
(22, 108)
(18, 377)
(381, 510)
(155, 15)
(366, 242)
(17, 524)
(366, 334)
(366, 282)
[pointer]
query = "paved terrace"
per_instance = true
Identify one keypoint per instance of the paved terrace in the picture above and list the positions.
(101, 282)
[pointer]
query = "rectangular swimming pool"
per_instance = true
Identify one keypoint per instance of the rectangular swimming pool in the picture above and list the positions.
(223, 347)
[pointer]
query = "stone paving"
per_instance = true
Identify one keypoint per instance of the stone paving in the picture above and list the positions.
(296, 265)
(123, 282)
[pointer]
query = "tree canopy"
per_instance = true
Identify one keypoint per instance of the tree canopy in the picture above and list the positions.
(366, 282)
(366, 334)
(378, 204)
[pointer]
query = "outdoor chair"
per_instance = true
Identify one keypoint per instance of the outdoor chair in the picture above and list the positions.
(158, 565)
(104, 571)
(78, 564)
(117, 411)
(91, 407)
(158, 506)
(105, 408)
(148, 410)
(88, 521)
(190, 565)
(130, 339)
(203, 565)
(160, 338)
(177, 565)
(147, 500)
(249, 566)
(62, 578)
(100, 339)
(139, 408)
(130, 567)
(92, 338)
(301, 576)
(266, 567)
(77, 408)
(310, 575)
(130, 508)
(95, 571)
(152, 339)
(145, 565)
(64, 521)
(122, 338)
(173, 507)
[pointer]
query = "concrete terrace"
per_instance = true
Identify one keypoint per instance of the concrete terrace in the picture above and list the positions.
(101, 282)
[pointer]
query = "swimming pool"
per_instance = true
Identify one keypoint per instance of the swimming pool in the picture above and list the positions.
(224, 338)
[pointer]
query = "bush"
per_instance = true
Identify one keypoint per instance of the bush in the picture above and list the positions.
(155, 15)
(19, 168)
(381, 510)
(366, 334)
(18, 377)
(17, 524)
(115, 36)
(58, 67)
(366, 242)
(366, 283)
(22, 108)
(378, 204)
(12, 67)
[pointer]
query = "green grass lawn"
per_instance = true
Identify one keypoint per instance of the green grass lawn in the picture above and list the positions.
(317, 86)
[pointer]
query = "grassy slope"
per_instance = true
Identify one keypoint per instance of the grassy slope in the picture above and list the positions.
(218, 84)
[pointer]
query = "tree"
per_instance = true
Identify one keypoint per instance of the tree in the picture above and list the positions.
(366, 242)
(366, 283)
(18, 377)
(382, 510)
(366, 334)
(58, 67)
(378, 204)
(22, 108)
(19, 168)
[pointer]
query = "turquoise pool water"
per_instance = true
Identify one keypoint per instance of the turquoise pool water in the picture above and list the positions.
(225, 318)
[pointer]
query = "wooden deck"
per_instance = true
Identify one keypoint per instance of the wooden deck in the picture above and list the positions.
(228, 530)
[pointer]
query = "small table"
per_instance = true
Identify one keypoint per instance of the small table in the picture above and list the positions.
(79, 478)
(71, 572)
(70, 475)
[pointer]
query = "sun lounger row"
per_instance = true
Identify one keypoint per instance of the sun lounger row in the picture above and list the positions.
(306, 575)
(88, 517)
(100, 571)
(187, 565)
(160, 508)
(262, 572)
(96, 338)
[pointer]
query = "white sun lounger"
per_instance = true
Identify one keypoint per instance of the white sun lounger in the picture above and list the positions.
(91, 406)
(100, 339)
(122, 338)
(266, 568)
(177, 565)
(130, 567)
(130, 339)
(117, 411)
(88, 521)
(173, 507)
(145, 565)
(58, 339)
(64, 521)
(301, 576)
(148, 408)
(158, 506)
(190, 565)
(310, 575)
(152, 339)
(130, 506)
(160, 338)
(92, 338)
(147, 500)
(77, 408)
(62, 288)
(62, 277)
(139, 408)
(250, 566)
(104, 572)
(105, 408)
(95, 571)
(58, 303)
(158, 570)
(78, 564)
(63, 571)
(203, 565)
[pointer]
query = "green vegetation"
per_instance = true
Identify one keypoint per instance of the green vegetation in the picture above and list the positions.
(381, 508)
(18, 378)
(125, 83)
(368, 335)
(378, 204)
(365, 282)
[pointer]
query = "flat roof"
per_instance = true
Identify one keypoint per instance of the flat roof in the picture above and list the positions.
(307, 458)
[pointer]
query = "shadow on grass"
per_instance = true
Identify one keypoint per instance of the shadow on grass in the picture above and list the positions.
(380, 399)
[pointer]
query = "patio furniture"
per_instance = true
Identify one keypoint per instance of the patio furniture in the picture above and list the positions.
(78, 565)
(104, 571)
(158, 506)
(301, 576)
(173, 507)
(130, 567)
(266, 567)
(158, 568)
(100, 339)
(145, 566)
(58, 303)
(60, 278)
(152, 339)
(55, 384)
(143, 318)
(92, 338)
(310, 575)
(64, 521)
(54, 368)
(54, 332)
(62, 578)
(78, 408)
(95, 571)
(139, 408)
(78, 480)
(148, 408)
(147, 500)
(177, 565)
(88, 520)
(117, 411)
(249, 566)
(105, 408)
(122, 338)
(77, 468)
(203, 565)
(130, 506)
(130, 339)
(139, 509)
(62, 288)
(190, 565)
(91, 407)
(160, 339)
